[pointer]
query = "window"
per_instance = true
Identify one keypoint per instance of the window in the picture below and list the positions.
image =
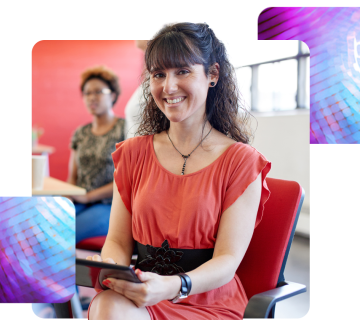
(276, 86)
(281, 83)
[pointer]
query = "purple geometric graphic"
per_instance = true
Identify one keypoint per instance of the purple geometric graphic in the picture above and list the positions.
(37, 249)
(333, 37)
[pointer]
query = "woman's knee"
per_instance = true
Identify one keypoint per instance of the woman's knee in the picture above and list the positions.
(110, 305)
(105, 305)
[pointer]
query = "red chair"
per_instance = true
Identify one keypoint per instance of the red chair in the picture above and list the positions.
(262, 268)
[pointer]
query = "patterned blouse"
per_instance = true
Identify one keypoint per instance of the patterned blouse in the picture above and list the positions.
(94, 163)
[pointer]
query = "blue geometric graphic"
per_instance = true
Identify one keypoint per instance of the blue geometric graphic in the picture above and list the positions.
(37, 249)
(333, 37)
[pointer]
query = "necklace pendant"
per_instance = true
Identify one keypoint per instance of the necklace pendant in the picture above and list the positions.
(184, 165)
(185, 157)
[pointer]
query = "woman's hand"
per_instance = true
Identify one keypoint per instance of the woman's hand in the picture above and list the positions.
(153, 289)
(98, 258)
(84, 199)
(68, 197)
(97, 286)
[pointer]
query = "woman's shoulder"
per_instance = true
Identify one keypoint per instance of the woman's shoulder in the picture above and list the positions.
(132, 148)
(83, 128)
(234, 149)
(120, 122)
(134, 144)
(118, 130)
(225, 143)
(240, 152)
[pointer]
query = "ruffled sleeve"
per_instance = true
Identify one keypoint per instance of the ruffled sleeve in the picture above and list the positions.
(122, 174)
(246, 165)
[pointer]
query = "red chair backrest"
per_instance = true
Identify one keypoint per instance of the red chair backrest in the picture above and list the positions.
(261, 266)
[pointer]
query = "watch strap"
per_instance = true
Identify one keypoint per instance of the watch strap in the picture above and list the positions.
(187, 280)
(184, 288)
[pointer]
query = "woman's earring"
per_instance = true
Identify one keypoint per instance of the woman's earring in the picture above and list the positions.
(212, 84)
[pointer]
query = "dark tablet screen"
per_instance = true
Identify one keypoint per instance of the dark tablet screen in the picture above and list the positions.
(91, 273)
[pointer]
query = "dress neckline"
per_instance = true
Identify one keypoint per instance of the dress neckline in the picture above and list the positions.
(151, 146)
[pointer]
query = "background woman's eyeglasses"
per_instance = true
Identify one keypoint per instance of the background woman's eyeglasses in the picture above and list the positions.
(96, 92)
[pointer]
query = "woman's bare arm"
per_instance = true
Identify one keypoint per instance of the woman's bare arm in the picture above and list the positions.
(98, 194)
(72, 173)
(119, 244)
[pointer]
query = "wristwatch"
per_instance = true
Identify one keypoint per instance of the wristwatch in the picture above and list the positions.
(184, 289)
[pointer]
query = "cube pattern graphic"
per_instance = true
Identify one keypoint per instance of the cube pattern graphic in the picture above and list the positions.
(333, 37)
(37, 249)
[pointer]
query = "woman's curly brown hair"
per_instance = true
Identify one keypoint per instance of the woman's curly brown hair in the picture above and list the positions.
(184, 44)
(104, 74)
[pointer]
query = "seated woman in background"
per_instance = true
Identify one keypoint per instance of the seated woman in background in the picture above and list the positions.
(90, 165)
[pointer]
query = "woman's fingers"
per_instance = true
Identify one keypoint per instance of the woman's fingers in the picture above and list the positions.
(96, 257)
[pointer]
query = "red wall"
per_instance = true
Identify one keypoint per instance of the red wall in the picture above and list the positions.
(57, 105)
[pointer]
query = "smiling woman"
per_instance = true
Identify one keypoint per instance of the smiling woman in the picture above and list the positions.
(189, 189)
(193, 53)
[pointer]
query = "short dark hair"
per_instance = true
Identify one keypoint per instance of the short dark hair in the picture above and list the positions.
(184, 44)
(104, 74)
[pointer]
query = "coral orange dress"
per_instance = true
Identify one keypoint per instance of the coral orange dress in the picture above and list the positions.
(186, 211)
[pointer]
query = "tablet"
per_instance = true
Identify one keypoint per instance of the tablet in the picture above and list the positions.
(92, 273)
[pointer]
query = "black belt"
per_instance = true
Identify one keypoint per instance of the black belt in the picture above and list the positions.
(167, 261)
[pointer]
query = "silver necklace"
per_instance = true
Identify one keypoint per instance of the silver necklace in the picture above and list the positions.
(186, 156)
